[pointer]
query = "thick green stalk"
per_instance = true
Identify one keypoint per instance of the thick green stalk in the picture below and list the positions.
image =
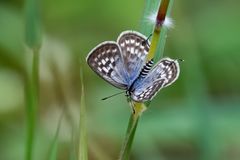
(163, 36)
(161, 16)
(139, 108)
(126, 148)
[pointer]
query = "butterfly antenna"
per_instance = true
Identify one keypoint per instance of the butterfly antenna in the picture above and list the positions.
(113, 95)
(146, 41)
(180, 60)
(149, 37)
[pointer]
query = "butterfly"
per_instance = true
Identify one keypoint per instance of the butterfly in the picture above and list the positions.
(123, 64)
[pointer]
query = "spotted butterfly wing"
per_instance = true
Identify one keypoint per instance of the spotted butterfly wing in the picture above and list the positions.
(120, 63)
(164, 73)
(106, 60)
(134, 48)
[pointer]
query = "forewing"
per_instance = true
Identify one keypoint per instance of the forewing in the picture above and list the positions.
(106, 60)
(134, 47)
(164, 73)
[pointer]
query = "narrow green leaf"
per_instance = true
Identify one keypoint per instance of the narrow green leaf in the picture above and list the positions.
(32, 100)
(83, 152)
(53, 151)
(151, 7)
(73, 150)
(33, 40)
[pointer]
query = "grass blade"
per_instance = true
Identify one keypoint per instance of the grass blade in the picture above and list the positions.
(33, 41)
(83, 152)
(151, 7)
(132, 125)
(31, 95)
(53, 152)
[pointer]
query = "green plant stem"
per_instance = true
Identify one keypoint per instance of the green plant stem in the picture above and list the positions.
(33, 41)
(161, 15)
(54, 145)
(83, 152)
(31, 93)
(163, 37)
(132, 125)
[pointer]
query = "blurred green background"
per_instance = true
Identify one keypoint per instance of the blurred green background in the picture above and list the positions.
(197, 118)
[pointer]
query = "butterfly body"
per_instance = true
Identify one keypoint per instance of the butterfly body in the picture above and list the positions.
(123, 64)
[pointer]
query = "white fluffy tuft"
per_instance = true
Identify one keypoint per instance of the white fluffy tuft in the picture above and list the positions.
(152, 17)
(168, 23)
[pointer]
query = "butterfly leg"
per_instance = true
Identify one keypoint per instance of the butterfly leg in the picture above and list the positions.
(130, 102)
(132, 106)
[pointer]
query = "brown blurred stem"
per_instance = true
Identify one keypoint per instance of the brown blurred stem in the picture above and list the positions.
(161, 14)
